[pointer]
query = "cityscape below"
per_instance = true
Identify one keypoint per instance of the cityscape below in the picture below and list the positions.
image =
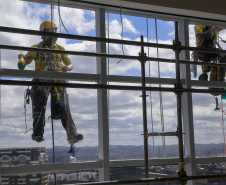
(10, 157)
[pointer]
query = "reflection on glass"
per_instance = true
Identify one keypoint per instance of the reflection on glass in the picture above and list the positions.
(22, 156)
(73, 177)
(22, 159)
(211, 169)
(134, 173)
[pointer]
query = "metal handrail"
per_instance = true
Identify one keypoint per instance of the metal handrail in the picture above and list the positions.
(107, 40)
(110, 87)
(152, 180)
(82, 37)
(92, 54)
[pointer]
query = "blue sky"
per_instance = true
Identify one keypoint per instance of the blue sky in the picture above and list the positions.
(125, 107)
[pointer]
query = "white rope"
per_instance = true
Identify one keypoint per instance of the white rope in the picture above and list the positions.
(54, 157)
(121, 33)
(160, 94)
(152, 120)
(108, 71)
(60, 19)
(0, 90)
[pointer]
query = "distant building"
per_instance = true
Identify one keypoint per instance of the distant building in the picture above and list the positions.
(23, 156)
(82, 176)
(73, 176)
(88, 175)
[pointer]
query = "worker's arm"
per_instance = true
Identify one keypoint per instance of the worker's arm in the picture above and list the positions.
(67, 61)
(29, 56)
(207, 33)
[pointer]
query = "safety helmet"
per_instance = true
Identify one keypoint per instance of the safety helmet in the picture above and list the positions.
(48, 26)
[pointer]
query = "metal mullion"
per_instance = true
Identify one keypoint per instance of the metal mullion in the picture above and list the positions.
(85, 86)
(48, 168)
(81, 37)
(139, 181)
(187, 107)
(201, 63)
(59, 167)
(152, 180)
(91, 54)
(182, 172)
(144, 108)
(102, 103)
(137, 79)
(68, 52)
(209, 50)
(197, 83)
(112, 87)
(15, 73)
(107, 40)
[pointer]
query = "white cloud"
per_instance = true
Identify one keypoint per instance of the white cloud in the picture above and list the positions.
(172, 34)
(115, 28)
(74, 19)
(127, 25)
(171, 23)
(21, 14)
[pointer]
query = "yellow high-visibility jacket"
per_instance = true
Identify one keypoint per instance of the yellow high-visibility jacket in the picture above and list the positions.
(39, 57)
(201, 29)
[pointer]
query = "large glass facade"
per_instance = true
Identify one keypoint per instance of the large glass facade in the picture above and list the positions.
(104, 98)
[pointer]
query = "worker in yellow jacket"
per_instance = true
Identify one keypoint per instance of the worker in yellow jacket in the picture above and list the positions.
(59, 97)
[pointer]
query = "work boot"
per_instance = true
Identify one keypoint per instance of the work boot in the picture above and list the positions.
(75, 138)
(215, 94)
(203, 77)
(37, 137)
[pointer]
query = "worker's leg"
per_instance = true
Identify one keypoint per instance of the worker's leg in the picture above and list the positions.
(60, 110)
(217, 73)
(205, 68)
(39, 96)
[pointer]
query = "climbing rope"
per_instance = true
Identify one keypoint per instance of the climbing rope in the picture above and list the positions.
(223, 124)
(27, 95)
(54, 157)
(149, 69)
(160, 94)
(60, 19)
(121, 33)
(108, 71)
(223, 113)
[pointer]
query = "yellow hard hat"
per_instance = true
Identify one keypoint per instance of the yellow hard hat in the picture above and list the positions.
(48, 26)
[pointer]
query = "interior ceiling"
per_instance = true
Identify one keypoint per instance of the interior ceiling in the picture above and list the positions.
(211, 9)
(208, 6)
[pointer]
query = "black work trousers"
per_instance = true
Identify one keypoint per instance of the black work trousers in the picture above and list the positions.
(59, 108)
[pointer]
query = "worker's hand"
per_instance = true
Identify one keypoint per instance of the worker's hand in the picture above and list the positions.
(65, 69)
(214, 29)
(21, 55)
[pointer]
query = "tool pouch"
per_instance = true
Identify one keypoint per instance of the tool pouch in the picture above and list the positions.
(59, 107)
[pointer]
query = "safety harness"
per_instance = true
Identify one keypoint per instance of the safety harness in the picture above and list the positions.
(51, 67)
